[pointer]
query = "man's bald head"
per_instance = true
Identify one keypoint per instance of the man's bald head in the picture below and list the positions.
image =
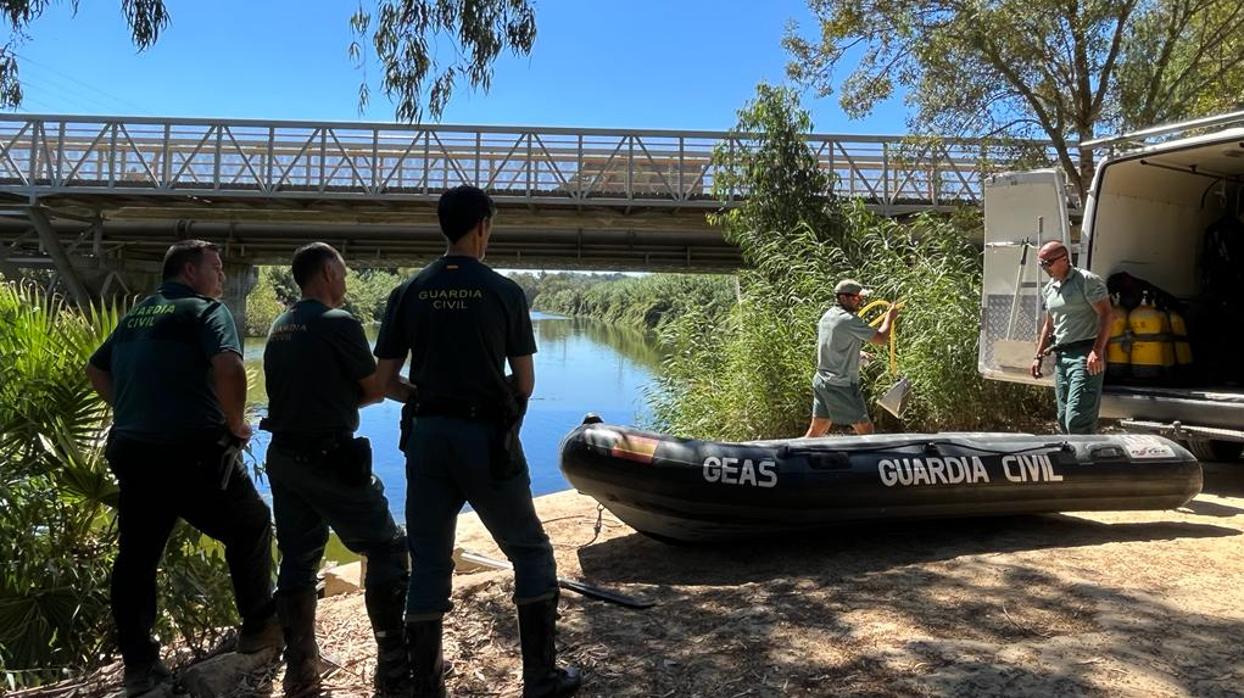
(1053, 248)
(1054, 259)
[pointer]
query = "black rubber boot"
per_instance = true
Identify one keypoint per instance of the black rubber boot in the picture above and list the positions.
(423, 638)
(386, 604)
(302, 654)
(537, 629)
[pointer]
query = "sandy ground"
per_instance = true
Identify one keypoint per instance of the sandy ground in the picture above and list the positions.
(1119, 604)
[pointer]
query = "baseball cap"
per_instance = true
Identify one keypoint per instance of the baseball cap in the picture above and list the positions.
(850, 286)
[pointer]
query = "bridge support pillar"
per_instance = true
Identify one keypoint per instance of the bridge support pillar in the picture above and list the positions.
(64, 266)
(240, 278)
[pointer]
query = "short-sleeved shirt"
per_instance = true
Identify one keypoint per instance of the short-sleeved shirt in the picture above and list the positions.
(160, 358)
(839, 336)
(1070, 304)
(313, 362)
(459, 321)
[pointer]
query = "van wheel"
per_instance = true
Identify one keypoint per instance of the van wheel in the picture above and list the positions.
(1208, 449)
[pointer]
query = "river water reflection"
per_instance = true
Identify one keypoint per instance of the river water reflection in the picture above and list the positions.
(581, 366)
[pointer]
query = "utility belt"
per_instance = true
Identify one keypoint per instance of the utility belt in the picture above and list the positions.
(308, 441)
(506, 457)
(1073, 346)
(346, 455)
(215, 449)
(438, 406)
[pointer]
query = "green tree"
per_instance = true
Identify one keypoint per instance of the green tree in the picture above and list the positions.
(642, 303)
(1063, 70)
(263, 305)
(405, 35)
(769, 161)
(745, 373)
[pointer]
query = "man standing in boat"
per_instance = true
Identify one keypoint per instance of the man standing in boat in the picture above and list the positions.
(836, 394)
(1075, 329)
(460, 322)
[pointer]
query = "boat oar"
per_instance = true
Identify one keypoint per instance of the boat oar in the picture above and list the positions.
(588, 590)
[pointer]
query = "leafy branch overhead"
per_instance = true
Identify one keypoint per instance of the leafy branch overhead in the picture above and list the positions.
(477, 29)
(425, 48)
(1061, 70)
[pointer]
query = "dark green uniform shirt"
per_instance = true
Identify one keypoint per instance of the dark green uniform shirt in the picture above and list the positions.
(313, 362)
(459, 320)
(160, 358)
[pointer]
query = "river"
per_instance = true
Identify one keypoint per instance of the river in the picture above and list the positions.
(581, 366)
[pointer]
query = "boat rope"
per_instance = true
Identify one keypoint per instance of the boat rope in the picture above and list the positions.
(876, 322)
(926, 443)
(596, 527)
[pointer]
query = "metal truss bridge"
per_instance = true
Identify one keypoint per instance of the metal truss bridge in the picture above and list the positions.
(103, 192)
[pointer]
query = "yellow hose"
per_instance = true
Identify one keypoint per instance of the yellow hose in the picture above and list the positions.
(876, 322)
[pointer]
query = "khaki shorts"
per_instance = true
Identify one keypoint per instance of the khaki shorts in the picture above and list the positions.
(841, 404)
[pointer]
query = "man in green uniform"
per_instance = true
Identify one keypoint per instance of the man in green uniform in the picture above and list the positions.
(836, 393)
(319, 370)
(1075, 329)
(172, 372)
(459, 322)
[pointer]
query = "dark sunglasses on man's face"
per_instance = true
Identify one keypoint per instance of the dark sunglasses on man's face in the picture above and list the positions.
(1047, 263)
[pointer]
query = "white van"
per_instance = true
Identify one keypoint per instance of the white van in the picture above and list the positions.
(1146, 214)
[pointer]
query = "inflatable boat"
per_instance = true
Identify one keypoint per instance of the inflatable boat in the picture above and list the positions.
(687, 490)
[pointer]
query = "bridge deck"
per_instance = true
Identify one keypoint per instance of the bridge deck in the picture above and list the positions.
(587, 197)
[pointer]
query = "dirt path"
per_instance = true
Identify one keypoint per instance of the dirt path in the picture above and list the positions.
(1135, 604)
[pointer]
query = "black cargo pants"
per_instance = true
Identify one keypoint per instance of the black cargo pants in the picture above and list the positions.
(161, 483)
(308, 496)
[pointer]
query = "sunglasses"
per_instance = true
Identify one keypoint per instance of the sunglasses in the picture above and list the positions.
(1047, 263)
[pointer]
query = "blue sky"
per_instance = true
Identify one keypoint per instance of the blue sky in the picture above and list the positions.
(638, 64)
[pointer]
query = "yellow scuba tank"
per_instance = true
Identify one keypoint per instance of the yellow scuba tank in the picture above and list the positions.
(1118, 364)
(1152, 354)
(1183, 349)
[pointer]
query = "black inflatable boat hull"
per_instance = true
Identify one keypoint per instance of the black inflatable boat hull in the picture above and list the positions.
(688, 490)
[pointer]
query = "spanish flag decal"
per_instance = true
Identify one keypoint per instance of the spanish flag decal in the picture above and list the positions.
(636, 448)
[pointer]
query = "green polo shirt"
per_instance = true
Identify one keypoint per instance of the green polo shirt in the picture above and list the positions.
(1070, 305)
(839, 336)
(160, 358)
(313, 362)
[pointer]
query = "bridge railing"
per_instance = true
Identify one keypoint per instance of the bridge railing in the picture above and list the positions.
(48, 154)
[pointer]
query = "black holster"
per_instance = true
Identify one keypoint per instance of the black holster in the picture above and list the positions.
(406, 422)
(351, 458)
(345, 456)
(506, 459)
(506, 450)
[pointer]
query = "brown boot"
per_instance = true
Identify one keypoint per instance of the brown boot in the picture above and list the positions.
(260, 634)
(144, 678)
(302, 655)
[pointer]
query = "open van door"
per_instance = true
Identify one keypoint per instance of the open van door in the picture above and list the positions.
(1023, 210)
